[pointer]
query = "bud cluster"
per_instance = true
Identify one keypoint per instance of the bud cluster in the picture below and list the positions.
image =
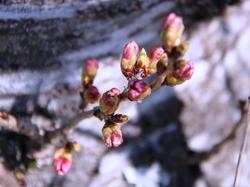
(165, 62)
(137, 63)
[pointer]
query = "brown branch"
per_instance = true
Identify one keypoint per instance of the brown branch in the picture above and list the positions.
(67, 127)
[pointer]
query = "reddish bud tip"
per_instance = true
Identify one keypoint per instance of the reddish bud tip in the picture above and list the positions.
(89, 71)
(172, 30)
(183, 70)
(112, 134)
(91, 66)
(109, 101)
(129, 57)
(91, 94)
(156, 53)
(130, 49)
(138, 90)
(62, 165)
(115, 91)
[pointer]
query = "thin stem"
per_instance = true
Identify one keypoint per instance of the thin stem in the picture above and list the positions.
(243, 146)
(68, 126)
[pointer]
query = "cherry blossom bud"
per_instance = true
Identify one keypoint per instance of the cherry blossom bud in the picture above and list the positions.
(110, 101)
(89, 71)
(183, 70)
(138, 90)
(112, 134)
(91, 94)
(142, 63)
(62, 165)
(63, 160)
(129, 57)
(115, 91)
(155, 55)
(119, 118)
(172, 31)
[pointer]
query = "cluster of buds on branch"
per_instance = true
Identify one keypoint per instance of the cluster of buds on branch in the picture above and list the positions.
(164, 61)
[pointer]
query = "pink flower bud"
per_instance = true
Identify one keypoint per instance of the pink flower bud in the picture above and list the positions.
(112, 134)
(110, 101)
(89, 71)
(183, 70)
(62, 165)
(129, 57)
(130, 50)
(155, 56)
(91, 94)
(156, 53)
(138, 90)
(115, 91)
(172, 21)
(172, 31)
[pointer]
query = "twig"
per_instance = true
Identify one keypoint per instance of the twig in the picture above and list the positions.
(49, 135)
(243, 145)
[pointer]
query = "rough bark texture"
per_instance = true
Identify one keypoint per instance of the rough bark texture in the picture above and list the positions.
(42, 33)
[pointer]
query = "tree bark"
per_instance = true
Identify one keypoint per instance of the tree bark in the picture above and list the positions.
(37, 34)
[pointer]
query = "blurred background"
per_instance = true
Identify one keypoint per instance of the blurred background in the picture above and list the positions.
(43, 45)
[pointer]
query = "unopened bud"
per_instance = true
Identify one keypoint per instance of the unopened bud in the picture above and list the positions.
(89, 71)
(119, 118)
(156, 56)
(62, 160)
(183, 70)
(129, 57)
(110, 101)
(138, 90)
(142, 63)
(156, 53)
(172, 31)
(112, 134)
(91, 94)
(62, 165)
